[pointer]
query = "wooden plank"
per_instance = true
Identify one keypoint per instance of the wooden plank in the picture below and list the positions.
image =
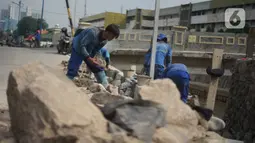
(213, 86)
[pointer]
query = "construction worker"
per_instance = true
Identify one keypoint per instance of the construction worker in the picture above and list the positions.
(106, 55)
(81, 27)
(37, 36)
(178, 73)
(87, 42)
(163, 57)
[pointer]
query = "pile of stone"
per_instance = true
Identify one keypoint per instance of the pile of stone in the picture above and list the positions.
(46, 107)
(118, 84)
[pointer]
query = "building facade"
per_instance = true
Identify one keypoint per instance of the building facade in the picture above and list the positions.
(36, 15)
(139, 18)
(4, 14)
(210, 14)
(196, 16)
(106, 18)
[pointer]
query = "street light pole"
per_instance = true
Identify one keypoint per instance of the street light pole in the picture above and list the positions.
(155, 33)
(41, 24)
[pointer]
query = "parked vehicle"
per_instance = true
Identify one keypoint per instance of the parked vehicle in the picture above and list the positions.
(10, 41)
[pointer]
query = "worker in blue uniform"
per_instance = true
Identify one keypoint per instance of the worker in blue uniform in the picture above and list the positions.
(106, 55)
(87, 42)
(178, 73)
(163, 57)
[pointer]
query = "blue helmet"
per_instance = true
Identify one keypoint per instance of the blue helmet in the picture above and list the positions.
(161, 36)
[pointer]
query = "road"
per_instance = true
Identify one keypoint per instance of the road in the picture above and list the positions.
(11, 58)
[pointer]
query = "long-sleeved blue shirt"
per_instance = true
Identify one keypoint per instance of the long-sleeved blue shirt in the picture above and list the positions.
(176, 68)
(163, 51)
(104, 53)
(37, 36)
(88, 42)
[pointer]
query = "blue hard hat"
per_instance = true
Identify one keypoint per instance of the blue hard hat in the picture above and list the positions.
(161, 36)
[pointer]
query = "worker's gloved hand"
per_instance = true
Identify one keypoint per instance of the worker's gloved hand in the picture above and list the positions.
(91, 61)
(93, 65)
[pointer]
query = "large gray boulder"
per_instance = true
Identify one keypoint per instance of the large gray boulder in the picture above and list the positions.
(47, 107)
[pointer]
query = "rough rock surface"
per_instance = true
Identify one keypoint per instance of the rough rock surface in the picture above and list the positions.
(5, 124)
(184, 124)
(240, 112)
(104, 98)
(47, 107)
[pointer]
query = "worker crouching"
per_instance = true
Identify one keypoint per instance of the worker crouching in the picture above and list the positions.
(178, 73)
(84, 47)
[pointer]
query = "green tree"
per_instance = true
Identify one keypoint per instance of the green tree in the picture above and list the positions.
(44, 24)
(29, 25)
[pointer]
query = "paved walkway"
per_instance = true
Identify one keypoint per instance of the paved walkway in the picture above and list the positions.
(11, 58)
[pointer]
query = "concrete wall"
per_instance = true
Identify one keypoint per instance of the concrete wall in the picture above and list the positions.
(196, 66)
(162, 22)
(240, 112)
(186, 41)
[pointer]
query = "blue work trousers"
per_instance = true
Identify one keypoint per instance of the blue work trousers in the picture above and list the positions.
(181, 79)
(74, 64)
(158, 73)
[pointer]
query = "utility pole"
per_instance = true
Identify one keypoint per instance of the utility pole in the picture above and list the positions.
(69, 16)
(20, 4)
(121, 9)
(85, 8)
(41, 21)
(74, 14)
(155, 33)
(19, 10)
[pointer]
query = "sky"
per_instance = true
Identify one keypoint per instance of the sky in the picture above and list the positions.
(56, 13)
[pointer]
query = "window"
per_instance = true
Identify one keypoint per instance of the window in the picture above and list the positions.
(202, 26)
(203, 12)
(214, 10)
(253, 6)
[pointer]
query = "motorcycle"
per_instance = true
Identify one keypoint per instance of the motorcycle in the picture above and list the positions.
(31, 40)
(10, 42)
(2, 42)
(64, 46)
